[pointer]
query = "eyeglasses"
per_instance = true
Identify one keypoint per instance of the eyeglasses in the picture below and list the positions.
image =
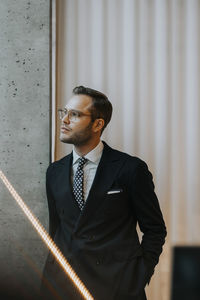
(72, 114)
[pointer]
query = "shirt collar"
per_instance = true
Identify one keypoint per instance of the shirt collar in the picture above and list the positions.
(94, 155)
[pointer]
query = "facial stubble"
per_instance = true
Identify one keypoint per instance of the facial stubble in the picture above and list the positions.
(78, 138)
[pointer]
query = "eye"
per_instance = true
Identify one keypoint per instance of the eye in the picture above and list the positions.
(75, 114)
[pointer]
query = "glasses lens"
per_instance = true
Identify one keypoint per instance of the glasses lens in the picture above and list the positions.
(72, 115)
(60, 113)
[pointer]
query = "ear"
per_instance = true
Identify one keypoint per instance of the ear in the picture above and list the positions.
(98, 125)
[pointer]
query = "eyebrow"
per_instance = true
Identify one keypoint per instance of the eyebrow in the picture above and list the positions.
(79, 111)
(72, 109)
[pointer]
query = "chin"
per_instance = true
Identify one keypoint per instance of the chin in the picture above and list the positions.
(65, 139)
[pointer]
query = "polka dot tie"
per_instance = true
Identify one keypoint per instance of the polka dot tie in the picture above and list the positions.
(78, 183)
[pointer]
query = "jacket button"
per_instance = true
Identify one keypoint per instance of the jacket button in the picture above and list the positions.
(98, 262)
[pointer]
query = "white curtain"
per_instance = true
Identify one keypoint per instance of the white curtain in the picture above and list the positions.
(144, 54)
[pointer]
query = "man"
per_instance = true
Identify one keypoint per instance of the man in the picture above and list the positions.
(96, 197)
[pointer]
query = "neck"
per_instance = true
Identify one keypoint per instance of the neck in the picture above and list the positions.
(82, 150)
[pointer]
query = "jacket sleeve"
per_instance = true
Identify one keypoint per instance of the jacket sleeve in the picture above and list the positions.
(53, 215)
(149, 217)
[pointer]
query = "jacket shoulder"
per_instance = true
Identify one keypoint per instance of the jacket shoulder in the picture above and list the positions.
(56, 164)
(131, 159)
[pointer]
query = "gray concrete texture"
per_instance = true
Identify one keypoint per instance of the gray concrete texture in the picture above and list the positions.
(24, 141)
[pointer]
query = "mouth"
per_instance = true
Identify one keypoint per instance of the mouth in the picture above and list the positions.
(65, 129)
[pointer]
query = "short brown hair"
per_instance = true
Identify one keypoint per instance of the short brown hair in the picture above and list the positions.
(101, 106)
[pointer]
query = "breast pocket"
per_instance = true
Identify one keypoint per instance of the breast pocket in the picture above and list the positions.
(115, 203)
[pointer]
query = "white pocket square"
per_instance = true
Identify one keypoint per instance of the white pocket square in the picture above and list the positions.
(114, 191)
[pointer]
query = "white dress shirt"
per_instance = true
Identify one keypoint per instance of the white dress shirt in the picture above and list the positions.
(89, 168)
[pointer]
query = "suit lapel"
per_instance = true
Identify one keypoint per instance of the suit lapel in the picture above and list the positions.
(64, 180)
(108, 168)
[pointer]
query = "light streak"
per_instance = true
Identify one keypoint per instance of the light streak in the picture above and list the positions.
(48, 241)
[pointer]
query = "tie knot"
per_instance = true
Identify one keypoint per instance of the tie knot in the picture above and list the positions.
(82, 161)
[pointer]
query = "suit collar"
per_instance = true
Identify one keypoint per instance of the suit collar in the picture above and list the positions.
(108, 155)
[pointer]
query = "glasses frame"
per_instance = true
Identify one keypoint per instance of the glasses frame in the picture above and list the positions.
(67, 112)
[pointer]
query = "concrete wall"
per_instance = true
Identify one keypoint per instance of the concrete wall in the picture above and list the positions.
(24, 141)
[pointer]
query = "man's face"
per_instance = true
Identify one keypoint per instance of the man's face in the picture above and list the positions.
(77, 132)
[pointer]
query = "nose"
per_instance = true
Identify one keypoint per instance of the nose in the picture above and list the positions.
(66, 119)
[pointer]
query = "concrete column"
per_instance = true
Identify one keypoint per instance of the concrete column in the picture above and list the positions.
(24, 141)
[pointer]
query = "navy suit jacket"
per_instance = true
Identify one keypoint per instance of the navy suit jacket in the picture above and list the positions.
(101, 242)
